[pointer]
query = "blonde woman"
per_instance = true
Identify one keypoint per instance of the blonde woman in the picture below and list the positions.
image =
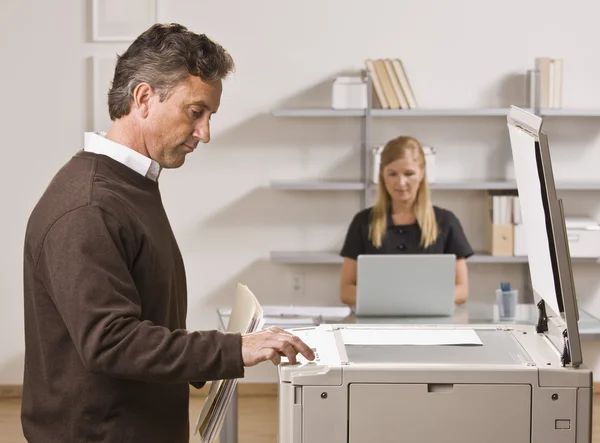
(403, 220)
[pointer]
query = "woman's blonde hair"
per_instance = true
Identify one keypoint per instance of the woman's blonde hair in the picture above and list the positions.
(393, 150)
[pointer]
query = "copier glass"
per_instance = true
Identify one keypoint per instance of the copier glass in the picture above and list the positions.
(501, 383)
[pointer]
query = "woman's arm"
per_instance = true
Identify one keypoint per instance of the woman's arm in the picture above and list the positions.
(348, 282)
(457, 244)
(461, 289)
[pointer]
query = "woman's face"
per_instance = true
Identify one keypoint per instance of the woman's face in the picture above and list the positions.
(402, 179)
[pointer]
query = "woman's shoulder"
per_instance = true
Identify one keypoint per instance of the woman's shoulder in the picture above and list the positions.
(363, 216)
(455, 240)
(444, 216)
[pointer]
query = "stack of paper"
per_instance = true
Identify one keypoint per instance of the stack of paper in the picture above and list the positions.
(246, 316)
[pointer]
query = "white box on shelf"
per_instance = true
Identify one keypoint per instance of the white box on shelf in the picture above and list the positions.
(349, 92)
(584, 237)
(429, 160)
(375, 162)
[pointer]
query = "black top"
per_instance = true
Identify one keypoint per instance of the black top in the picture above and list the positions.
(406, 239)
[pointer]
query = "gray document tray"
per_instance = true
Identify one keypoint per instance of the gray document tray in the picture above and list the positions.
(499, 348)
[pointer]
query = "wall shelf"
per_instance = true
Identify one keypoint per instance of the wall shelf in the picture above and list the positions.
(458, 112)
(318, 112)
(577, 186)
(510, 185)
(332, 257)
(318, 185)
(483, 112)
(329, 112)
(569, 112)
(467, 185)
(474, 185)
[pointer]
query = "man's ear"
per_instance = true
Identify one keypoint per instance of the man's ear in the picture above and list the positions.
(142, 98)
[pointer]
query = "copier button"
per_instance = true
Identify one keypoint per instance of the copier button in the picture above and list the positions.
(316, 354)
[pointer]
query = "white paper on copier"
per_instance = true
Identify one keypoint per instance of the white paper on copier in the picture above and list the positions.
(410, 336)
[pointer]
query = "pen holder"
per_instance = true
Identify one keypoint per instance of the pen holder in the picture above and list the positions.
(507, 303)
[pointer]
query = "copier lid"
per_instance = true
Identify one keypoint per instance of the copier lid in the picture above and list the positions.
(544, 223)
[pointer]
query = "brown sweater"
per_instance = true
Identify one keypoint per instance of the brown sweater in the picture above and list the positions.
(108, 358)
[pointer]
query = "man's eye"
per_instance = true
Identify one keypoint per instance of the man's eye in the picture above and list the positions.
(196, 114)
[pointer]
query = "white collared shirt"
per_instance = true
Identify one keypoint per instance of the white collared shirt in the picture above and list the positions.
(97, 143)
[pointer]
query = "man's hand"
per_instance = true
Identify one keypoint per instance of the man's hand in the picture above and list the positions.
(272, 344)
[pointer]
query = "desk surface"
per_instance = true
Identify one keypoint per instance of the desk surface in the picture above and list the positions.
(472, 312)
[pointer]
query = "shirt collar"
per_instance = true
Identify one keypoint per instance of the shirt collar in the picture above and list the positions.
(97, 143)
(390, 221)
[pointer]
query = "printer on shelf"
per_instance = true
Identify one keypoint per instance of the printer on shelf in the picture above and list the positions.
(457, 383)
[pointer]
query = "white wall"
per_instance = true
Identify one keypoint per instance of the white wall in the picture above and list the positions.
(457, 54)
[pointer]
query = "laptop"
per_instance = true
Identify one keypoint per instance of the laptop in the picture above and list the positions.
(405, 285)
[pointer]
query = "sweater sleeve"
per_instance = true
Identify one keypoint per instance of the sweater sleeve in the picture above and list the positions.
(83, 263)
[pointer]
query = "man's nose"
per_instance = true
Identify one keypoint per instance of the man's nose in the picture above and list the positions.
(202, 132)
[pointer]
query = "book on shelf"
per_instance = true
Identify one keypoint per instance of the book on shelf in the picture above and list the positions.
(550, 78)
(390, 84)
(246, 316)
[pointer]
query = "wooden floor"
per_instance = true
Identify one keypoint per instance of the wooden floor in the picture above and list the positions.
(257, 419)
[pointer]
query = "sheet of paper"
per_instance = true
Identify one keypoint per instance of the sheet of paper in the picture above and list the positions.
(245, 309)
(410, 336)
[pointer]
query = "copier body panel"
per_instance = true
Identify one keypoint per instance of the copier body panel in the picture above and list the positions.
(512, 388)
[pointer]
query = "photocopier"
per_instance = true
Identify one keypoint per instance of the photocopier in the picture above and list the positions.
(460, 383)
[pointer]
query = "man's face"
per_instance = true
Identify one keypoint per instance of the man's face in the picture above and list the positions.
(173, 128)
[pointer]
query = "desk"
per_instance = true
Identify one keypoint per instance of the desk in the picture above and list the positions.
(472, 312)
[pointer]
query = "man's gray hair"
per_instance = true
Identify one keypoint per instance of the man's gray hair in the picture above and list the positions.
(163, 56)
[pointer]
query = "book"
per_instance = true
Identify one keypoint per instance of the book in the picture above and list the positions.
(386, 84)
(404, 83)
(551, 74)
(377, 85)
(403, 102)
(246, 317)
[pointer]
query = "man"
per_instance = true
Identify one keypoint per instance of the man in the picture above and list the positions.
(107, 356)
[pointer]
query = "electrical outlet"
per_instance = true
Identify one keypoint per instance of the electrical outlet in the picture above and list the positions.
(297, 284)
